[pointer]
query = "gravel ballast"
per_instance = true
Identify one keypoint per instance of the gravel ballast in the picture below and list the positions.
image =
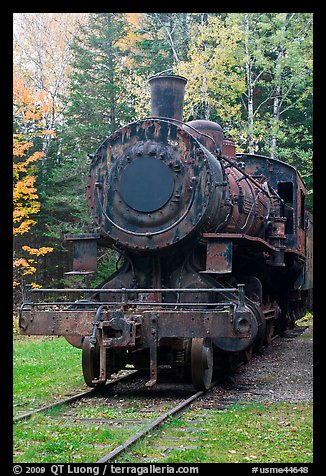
(283, 372)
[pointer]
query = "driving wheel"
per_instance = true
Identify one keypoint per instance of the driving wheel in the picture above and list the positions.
(201, 363)
(91, 363)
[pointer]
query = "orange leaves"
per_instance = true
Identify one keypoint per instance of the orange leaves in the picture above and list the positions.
(26, 267)
(30, 109)
(25, 189)
(30, 105)
(20, 149)
(24, 227)
(20, 262)
(48, 132)
(38, 251)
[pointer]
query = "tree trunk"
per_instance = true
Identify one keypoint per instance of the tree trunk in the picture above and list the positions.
(278, 89)
(250, 88)
(111, 73)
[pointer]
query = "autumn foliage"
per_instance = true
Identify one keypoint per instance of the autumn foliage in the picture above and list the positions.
(30, 109)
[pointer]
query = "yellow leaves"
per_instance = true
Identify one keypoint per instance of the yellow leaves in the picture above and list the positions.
(25, 189)
(214, 71)
(26, 268)
(37, 251)
(132, 36)
(21, 213)
(26, 203)
(30, 106)
(34, 285)
(30, 109)
(24, 227)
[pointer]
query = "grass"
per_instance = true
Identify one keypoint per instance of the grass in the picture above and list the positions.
(47, 369)
(270, 433)
(44, 369)
(61, 437)
(307, 321)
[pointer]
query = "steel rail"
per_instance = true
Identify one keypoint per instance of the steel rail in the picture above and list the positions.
(74, 398)
(154, 424)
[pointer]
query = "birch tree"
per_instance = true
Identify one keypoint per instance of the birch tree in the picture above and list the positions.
(292, 70)
(42, 54)
(214, 72)
(278, 71)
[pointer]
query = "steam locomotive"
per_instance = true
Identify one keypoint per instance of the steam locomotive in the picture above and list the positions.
(215, 251)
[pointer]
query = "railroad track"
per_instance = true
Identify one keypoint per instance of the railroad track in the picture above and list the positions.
(154, 406)
(174, 411)
(125, 404)
(177, 409)
(75, 398)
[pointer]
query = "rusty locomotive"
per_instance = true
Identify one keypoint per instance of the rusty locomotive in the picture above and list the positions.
(216, 251)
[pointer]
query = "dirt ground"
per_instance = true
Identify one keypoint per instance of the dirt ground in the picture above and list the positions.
(283, 372)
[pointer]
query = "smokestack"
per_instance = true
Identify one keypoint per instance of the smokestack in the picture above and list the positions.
(167, 95)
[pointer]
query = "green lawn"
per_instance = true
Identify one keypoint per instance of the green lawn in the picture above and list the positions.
(269, 433)
(44, 369)
(64, 435)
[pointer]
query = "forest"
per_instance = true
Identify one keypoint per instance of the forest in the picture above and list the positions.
(78, 77)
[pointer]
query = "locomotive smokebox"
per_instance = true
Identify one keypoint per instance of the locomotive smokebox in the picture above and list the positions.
(167, 96)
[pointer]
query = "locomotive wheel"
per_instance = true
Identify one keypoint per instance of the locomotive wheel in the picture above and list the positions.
(201, 363)
(90, 363)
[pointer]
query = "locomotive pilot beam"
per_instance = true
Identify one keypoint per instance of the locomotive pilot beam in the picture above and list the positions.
(216, 251)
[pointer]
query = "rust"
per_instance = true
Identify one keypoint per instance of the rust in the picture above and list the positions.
(167, 96)
(84, 252)
(60, 323)
(215, 247)
(219, 256)
(229, 148)
(209, 133)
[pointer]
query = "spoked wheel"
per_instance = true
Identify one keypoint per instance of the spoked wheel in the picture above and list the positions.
(91, 363)
(201, 363)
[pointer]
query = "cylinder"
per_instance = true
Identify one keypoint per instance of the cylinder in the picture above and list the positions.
(167, 96)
